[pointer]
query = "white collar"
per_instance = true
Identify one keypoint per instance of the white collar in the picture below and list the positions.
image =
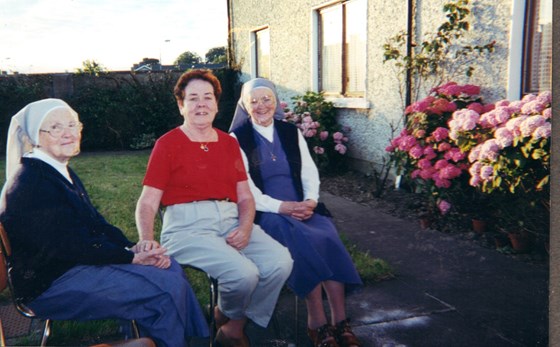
(42, 155)
(266, 131)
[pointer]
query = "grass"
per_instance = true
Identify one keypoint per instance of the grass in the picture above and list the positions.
(114, 182)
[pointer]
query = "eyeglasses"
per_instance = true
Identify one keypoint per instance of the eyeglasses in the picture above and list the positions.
(265, 100)
(56, 130)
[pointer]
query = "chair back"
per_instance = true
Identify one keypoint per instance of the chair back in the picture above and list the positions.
(5, 251)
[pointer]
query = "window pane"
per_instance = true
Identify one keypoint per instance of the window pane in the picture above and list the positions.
(263, 53)
(538, 58)
(331, 49)
(356, 28)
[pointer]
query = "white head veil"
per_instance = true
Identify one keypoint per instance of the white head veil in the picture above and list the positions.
(241, 114)
(23, 133)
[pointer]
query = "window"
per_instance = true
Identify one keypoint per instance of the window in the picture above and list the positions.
(537, 46)
(262, 53)
(342, 48)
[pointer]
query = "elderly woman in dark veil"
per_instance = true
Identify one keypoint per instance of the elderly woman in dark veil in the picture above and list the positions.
(68, 262)
(285, 184)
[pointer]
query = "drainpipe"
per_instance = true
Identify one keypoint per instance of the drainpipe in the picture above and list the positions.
(410, 38)
(229, 53)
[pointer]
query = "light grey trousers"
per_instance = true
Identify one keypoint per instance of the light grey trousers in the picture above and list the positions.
(250, 280)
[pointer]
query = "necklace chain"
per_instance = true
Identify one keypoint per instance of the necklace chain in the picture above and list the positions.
(268, 147)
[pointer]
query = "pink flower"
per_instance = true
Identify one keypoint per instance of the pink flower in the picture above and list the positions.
(310, 133)
(476, 107)
(529, 125)
(489, 150)
(429, 153)
(323, 135)
(416, 152)
(283, 104)
(440, 164)
(427, 173)
(501, 103)
(545, 97)
(454, 154)
(440, 133)
(547, 113)
(504, 137)
(340, 148)
(442, 182)
(444, 146)
(338, 136)
(513, 125)
(406, 142)
(533, 107)
(449, 172)
(318, 150)
(424, 164)
(474, 154)
(486, 172)
(444, 206)
(542, 132)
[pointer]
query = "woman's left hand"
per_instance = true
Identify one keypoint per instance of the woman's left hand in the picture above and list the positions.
(144, 246)
(238, 239)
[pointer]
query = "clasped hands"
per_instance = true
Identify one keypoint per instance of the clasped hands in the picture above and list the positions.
(150, 252)
(300, 210)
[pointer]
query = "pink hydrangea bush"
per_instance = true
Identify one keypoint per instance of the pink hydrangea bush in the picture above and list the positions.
(509, 146)
(471, 158)
(424, 152)
(509, 158)
(326, 139)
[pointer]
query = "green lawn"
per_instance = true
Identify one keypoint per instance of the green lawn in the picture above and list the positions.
(114, 182)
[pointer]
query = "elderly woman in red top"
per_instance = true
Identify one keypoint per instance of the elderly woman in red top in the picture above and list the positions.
(197, 173)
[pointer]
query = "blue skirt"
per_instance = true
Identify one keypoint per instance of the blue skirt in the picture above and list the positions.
(319, 254)
(160, 300)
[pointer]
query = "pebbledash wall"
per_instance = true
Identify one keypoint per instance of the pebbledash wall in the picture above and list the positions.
(293, 63)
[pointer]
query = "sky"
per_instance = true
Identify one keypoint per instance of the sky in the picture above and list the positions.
(44, 36)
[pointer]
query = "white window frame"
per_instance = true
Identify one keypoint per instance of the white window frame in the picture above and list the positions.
(254, 53)
(342, 101)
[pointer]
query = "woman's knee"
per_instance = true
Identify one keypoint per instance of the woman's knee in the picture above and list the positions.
(240, 280)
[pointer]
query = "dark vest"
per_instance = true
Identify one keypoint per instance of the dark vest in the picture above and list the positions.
(288, 135)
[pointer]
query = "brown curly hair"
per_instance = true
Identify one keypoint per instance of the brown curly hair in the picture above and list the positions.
(197, 74)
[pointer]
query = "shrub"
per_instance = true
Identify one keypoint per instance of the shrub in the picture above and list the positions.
(326, 139)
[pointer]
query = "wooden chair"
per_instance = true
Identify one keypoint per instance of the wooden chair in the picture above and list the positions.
(5, 281)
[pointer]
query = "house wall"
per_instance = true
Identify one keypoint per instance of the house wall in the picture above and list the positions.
(292, 47)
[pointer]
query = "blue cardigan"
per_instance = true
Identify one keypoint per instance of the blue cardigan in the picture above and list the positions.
(53, 226)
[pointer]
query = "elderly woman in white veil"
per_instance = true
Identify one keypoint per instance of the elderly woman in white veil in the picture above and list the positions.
(68, 262)
(285, 183)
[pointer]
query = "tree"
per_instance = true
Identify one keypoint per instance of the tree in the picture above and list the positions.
(188, 58)
(216, 55)
(91, 67)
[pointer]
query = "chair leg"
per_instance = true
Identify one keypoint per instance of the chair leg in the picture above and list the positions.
(2, 338)
(213, 292)
(46, 332)
(135, 330)
(296, 317)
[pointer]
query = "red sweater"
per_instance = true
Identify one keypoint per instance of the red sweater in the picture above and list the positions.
(186, 173)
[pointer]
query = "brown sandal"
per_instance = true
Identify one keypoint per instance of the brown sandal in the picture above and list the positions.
(323, 336)
(344, 335)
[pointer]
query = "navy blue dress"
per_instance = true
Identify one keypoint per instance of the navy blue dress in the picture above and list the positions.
(69, 263)
(319, 254)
